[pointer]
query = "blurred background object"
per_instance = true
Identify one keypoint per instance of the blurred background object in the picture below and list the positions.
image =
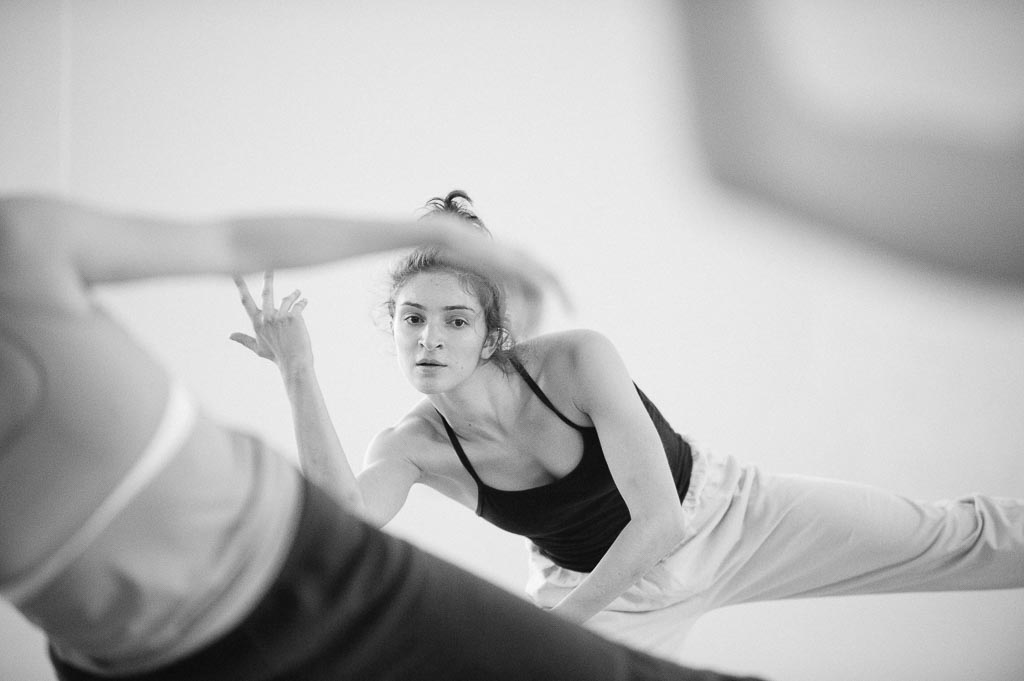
(901, 123)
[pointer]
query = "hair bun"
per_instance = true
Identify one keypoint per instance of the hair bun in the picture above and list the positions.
(457, 203)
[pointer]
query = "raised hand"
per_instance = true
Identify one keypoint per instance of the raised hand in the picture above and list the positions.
(280, 331)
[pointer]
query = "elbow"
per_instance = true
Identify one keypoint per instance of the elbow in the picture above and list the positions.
(666, 531)
(349, 499)
(353, 503)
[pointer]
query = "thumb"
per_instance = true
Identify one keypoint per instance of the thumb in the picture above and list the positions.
(243, 339)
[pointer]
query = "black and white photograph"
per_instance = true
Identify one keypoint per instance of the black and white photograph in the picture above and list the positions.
(449, 340)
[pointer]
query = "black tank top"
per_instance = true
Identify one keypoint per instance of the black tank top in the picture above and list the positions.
(574, 519)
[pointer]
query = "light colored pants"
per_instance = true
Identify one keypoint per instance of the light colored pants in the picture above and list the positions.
(756, 537)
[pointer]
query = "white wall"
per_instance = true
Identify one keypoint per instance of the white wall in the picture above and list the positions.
(568, 123)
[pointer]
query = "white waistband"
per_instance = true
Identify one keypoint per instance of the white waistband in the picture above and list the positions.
(175, 426)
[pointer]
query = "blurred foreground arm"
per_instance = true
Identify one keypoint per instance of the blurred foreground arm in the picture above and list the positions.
(48, 235)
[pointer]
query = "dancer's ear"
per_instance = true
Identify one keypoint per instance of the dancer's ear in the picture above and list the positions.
(491, 344)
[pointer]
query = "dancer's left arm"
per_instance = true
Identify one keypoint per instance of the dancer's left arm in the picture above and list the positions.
(637, 461)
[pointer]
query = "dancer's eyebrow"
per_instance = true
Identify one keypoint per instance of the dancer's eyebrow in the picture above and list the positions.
(446, 308)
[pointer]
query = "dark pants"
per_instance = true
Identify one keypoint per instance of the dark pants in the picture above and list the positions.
(352, 602)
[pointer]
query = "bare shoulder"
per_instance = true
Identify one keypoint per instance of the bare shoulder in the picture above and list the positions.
(419, 440)
(564, 353)
(567, 365)
(35, 262)
(14, 208)
(22, 226)
(410, 438)
(31, 216)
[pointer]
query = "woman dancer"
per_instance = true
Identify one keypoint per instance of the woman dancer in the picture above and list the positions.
(550, 439)
(150, 543)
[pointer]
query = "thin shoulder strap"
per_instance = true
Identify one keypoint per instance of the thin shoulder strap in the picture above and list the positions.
(459, 451)
(543, 398)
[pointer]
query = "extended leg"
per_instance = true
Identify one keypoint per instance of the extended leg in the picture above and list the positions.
(355, 603)
(801, 537)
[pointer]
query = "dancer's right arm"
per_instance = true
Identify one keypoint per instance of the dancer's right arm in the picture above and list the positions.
(280, 335)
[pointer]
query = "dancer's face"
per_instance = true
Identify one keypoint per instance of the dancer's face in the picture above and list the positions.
(440, 332)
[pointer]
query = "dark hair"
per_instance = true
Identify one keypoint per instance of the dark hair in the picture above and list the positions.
(457, 203)
(490, 293)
